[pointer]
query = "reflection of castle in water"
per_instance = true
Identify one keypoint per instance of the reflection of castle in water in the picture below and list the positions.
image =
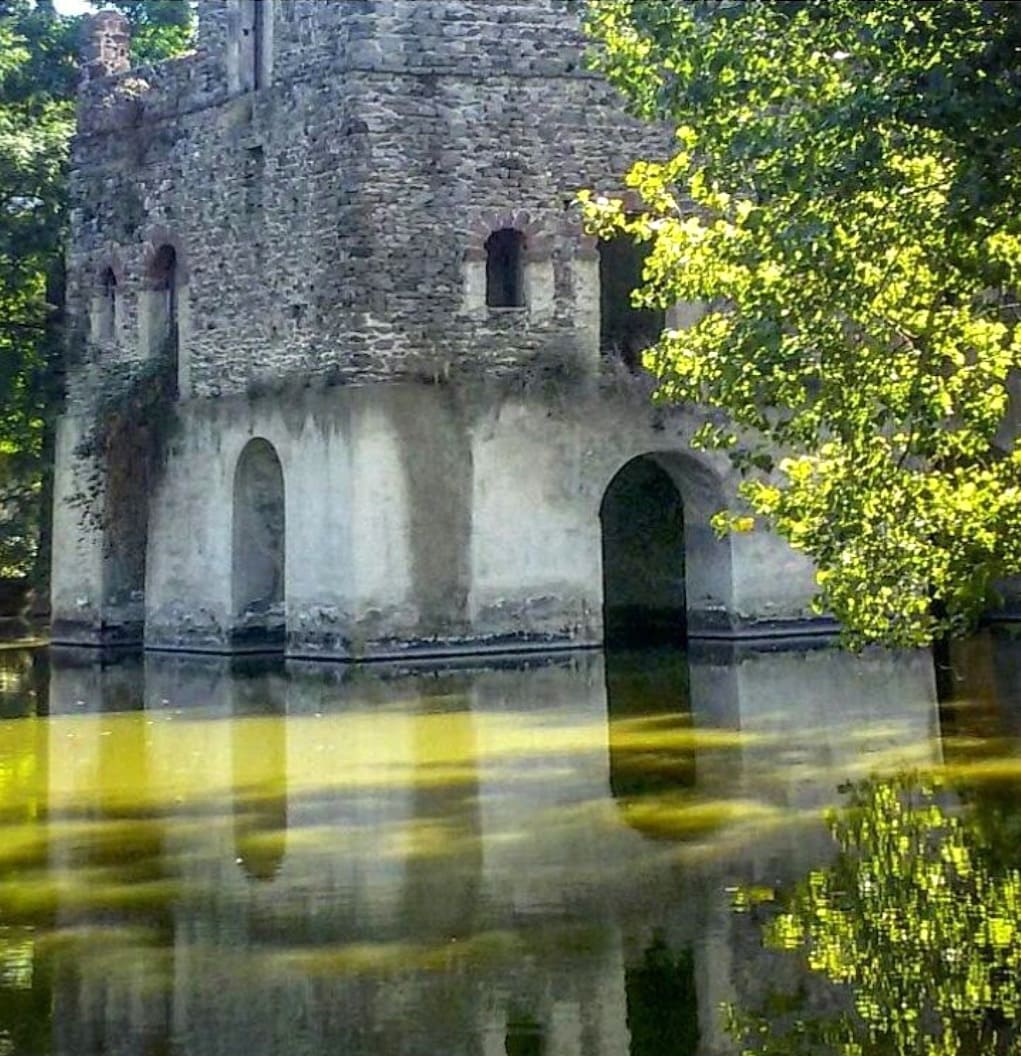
(452, 861)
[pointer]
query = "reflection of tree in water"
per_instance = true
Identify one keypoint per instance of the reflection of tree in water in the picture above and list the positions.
(662, 1003)
(26, 973)
(26, 993)
(918, 925)
(24, 683)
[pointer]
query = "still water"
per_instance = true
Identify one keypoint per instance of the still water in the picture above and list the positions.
(577, 856)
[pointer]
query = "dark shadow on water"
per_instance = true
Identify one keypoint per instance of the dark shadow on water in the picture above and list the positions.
(525, 1036)
(648, 695)
(978, 693)
(662, 1003)
(24, 683)
(259, 762)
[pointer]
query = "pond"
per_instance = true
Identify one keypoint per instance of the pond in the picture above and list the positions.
(573, 855)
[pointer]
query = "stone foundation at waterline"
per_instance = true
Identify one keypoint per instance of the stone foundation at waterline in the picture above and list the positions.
(347, 377)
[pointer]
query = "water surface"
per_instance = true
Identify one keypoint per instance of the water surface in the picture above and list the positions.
(619, 856)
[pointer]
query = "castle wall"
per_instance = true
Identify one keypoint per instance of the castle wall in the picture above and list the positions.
(332, 222)
(325, 214)
(423, 518)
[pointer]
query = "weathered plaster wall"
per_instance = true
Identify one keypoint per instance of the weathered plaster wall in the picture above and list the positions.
(427, 517)
(77, 563)
(431, 518)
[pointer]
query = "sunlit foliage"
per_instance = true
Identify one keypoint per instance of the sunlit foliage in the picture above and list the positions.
(38, 84)
(36, 119)
(845, 200)
(917, 923)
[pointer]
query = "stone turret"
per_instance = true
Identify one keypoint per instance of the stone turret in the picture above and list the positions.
(105, 45)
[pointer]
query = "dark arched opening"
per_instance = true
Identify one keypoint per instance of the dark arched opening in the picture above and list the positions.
(505, 272)
(642, 518)
(164, 310)
(259, 543)
(128, 486)
(164, 281)
(624, 330)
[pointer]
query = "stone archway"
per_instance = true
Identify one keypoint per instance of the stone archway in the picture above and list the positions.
(666, 575)
(642, 519)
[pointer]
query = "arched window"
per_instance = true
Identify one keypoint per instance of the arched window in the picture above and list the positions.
(164, 282)
(505, 273)
(104, 307)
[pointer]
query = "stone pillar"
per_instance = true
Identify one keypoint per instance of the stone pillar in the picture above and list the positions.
(77, 569)
(105, 45)
(585, 278)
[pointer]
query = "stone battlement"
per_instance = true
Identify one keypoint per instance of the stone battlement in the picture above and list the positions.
(312, 39)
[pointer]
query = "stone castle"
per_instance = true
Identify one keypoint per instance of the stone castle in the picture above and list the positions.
(346, 376)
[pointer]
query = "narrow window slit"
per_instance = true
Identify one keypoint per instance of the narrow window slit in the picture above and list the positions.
(107, 325)
(505, 279)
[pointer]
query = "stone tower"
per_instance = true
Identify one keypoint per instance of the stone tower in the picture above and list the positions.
(346, 376)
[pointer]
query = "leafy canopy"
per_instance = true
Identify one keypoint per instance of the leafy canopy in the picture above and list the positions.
(38, 83)
(845, 201)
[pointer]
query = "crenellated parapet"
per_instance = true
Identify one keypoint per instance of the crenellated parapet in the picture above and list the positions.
(106, 42)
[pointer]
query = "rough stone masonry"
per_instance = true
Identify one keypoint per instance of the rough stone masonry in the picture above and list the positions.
(346, 376)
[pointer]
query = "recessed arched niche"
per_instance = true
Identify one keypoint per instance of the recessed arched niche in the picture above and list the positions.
(258, 544)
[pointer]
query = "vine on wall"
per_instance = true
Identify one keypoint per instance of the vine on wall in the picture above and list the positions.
(126, 447)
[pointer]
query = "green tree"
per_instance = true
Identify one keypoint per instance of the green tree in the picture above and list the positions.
(38, 79)
(844, 199)
(159, 28)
